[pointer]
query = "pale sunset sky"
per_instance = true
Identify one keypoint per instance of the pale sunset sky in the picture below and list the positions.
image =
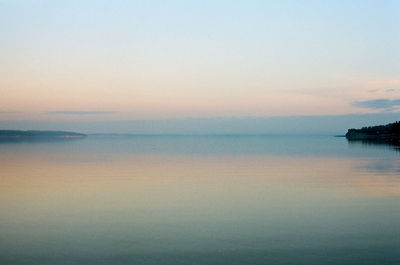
(74, 62)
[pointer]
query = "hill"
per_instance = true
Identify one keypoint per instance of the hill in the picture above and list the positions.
(388, 133)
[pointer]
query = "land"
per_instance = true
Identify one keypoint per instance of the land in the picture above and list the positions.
(31, 135)
(389, 133)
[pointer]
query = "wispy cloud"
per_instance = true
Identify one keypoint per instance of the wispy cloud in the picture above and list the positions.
(10, 112)
(79, 112)
(381, 103)
(385, 90)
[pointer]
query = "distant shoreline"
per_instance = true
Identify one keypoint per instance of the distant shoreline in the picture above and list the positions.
(34, 135)
(389, 133)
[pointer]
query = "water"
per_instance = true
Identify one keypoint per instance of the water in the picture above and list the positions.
(200, 200)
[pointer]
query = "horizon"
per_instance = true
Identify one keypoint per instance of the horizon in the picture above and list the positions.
(290, 125)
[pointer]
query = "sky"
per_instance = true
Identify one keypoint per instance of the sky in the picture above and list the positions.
(71, 63)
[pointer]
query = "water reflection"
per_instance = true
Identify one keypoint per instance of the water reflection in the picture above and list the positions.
(122, 202)
(374, 144)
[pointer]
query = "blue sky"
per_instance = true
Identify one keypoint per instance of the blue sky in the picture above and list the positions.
(102, 61)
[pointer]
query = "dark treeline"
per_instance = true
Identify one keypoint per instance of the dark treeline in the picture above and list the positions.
(388, 133)
(380, 129)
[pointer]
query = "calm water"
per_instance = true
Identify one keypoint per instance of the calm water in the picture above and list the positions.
(200, 200)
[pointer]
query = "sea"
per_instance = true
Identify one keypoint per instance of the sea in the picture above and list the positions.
(200, 200)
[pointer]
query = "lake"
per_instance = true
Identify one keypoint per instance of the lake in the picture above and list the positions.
(223, 199)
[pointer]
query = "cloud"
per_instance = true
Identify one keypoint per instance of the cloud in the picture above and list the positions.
(392, 90)
(381, 103)
(80, 112)
(385, 90)
(10, 112)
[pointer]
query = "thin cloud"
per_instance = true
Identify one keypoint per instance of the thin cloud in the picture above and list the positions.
(10, 112)
(79, 112)
(392, 90)
(385, 90)
(381, 103)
